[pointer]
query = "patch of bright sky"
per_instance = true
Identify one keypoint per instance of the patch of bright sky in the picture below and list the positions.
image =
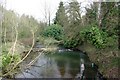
(36, 8)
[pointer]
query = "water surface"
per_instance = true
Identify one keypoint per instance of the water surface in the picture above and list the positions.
(59, 65)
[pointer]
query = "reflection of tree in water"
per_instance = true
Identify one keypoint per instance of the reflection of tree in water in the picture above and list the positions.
(67, 70)
(67, 67)
(74, 68)
(61, 66)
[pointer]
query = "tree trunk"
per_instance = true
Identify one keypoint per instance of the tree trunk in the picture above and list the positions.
(119, 26)
(119, 34)
(99, 13)
(49, 18)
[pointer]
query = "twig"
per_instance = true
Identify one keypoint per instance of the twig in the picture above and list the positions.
(24, 57)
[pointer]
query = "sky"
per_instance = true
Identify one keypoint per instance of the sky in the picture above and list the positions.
(36, 8)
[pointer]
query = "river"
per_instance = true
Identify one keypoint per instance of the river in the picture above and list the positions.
(62, 64)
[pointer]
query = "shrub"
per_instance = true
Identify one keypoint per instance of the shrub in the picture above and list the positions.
(8, 59)
(54, 31)
(7, 63)
(71, 43)
(95, 36)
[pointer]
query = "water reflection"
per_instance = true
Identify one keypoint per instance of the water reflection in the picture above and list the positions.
(59, 65)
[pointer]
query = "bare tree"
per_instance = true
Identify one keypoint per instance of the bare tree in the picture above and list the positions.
(47, 12)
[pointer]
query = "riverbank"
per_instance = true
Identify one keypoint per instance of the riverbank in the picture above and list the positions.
(107, 59)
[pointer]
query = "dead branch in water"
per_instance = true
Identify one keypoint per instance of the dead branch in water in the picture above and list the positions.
(24, 57)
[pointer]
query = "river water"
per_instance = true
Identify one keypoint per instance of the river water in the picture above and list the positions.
(66, 64)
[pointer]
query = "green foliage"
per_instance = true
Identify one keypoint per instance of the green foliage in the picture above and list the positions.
(7, 63)
(8, 59)
(73, 26)
(91, 14)
(71, 43)
(5, 60)
(95, 36)
(54, 31)
(74, 11)
(61, 16)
